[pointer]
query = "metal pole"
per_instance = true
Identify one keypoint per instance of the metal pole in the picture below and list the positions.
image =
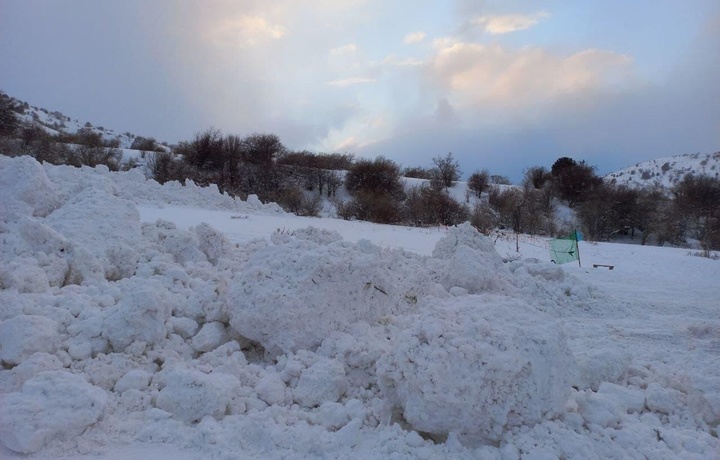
(577, 247)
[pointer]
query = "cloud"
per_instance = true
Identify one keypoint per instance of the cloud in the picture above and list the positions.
(343, 50)
(414, 37)
(351, 82)
(394, 60)
(499, 76)
(245, 31)
(503, 24)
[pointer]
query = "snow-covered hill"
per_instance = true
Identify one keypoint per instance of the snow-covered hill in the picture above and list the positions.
(148, 321)
(54, 122)
(667, 172)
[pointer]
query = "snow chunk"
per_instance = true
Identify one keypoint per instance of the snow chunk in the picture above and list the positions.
(63, 261)
(181, 244)
(184, 327)
(191, 395)
(599, 409)
(271, 389)
(606, 364)
(136, 379)
(323, 381)
(333, 416)
(55, 404)
(630, 399)
(114, 232)
(664, 400)
(477, 368)
(23, 274)
(212, 243)
(138, 316)
(211, 336)
(468, 260)
(13, 379)
(24, 179)
(24, 335)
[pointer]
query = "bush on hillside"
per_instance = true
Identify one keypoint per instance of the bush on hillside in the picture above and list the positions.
(418, 172)
(428, 205)
(8, 119)
(478, 182)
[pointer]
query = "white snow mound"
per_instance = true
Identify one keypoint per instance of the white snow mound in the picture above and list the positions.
(24, 179)
(296, 292)
(474, 369)
(468, 260)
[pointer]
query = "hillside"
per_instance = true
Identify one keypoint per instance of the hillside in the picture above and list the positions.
(667, 171)
(55, 122)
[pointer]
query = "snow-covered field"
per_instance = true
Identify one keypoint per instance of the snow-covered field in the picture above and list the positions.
(148, 321)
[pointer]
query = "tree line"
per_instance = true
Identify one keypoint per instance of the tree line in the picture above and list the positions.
(298, 180)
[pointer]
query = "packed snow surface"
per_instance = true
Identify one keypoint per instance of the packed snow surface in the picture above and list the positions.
(148, 321)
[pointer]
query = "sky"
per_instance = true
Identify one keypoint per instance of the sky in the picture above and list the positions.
(503, 85)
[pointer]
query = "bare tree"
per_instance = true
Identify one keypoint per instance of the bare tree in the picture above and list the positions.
(447, 169)
(696, 201)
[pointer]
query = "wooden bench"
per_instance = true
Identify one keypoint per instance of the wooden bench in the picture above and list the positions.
(601, 265)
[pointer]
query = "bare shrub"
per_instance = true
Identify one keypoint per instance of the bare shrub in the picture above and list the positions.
(479, 181)
(483, 218)
(379, 176)
(205, 151)
(428, 205)
(147, 144)
(165, 167)
(310, 206)
(417, 172)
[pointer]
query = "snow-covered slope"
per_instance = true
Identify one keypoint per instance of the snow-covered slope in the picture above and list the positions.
(667, 172)
(230, 329)
(54, 122)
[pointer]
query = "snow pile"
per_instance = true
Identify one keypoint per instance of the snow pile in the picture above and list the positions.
(510, 366)
(28, 185)
(294, 293)
(134, 186)
(469, 261)
(118, 331)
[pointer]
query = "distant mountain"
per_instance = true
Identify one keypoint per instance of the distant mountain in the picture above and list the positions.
(54, 122)
(667, 171)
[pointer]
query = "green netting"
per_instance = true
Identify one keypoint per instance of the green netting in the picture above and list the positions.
(563, 251)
